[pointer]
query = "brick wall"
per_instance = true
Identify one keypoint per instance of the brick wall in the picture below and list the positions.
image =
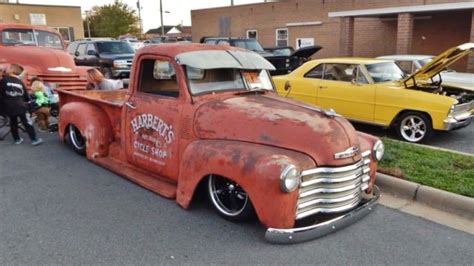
(372, 36)
(56, 16)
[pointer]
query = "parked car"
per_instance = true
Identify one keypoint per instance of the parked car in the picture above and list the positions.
(152, 41)
(285, 59)
(378, 92)
(200, 114)
(41, 51)
(134, 43)
(113, 58)
(412, 63)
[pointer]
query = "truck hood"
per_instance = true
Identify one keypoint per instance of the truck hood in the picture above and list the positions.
(275, 121)
(39, 59)
(439, 63)
(307, 52)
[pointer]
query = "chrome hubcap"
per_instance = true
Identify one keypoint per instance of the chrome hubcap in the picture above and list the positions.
(413, 128)
(76, 138)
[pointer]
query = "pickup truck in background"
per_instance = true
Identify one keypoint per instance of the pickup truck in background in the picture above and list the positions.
(284, 59)
(42, 53)
(208, 115)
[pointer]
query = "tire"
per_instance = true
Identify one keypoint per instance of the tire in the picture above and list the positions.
(229, 199)
(75, 139)
(107, 72)
(414, 127)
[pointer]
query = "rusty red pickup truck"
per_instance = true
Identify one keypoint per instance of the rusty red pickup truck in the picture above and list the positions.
(208, 115)
(42, 52)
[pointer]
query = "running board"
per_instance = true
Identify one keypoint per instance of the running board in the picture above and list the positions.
(145, 179)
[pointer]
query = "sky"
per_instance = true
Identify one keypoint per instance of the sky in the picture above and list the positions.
(179, 9)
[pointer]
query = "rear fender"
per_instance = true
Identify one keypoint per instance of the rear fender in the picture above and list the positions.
(256, 168)
(92, 122)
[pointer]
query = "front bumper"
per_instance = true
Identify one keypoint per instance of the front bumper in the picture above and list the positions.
(452, 123)
(301, 234)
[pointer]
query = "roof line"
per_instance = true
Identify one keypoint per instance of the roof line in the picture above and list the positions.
(403, 9)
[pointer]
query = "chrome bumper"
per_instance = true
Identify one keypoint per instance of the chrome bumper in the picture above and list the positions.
(452, 123)
(301, 234)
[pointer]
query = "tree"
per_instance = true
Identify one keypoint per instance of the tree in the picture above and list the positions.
(112, 20)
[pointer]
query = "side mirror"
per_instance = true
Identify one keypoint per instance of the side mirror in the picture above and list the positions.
(76, 53)
(92, 52)
(287, 85)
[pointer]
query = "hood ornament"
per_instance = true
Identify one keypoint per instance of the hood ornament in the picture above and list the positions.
(330, 112)
(351, 152)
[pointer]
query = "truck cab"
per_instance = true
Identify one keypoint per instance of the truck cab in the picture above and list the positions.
(42, 53)
(204, 114)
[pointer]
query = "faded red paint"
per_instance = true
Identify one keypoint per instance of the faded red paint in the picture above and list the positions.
(246, 138)
(38, 61)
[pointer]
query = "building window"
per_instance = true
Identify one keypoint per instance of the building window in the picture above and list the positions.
(65, 33)
(281, 37)
(252, 34)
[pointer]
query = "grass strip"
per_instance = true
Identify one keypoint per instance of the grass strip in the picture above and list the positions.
(439, 169)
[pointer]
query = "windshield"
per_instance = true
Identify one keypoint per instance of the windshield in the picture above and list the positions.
(425, 61)
(115, 48)
(383, 72)
(251, 45)
(31, 37)
(282, 52)
(226, 79)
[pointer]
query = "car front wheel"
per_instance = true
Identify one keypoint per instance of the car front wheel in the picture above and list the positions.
(229, 199)
(414, 127)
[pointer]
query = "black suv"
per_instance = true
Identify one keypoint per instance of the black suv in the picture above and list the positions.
(284, 59)
(113, 58)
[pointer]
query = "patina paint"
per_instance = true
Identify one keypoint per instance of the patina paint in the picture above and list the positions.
(247, 138)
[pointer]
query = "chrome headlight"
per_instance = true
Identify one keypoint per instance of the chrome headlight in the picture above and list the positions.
(120, 63)
(378, 150)
(290, 178)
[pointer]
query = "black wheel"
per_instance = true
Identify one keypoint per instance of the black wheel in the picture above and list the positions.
(107, 72)
(414, 127)
(75, 139)
(229, 199)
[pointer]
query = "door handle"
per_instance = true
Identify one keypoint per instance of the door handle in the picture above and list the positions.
(130, 105)
(323, 87)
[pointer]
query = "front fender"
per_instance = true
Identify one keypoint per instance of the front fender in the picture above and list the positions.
(92, 122)
(256, 168)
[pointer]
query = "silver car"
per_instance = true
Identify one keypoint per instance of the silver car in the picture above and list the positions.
(411, 63)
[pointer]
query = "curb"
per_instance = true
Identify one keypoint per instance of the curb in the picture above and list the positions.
(435, 148)
(436, 198)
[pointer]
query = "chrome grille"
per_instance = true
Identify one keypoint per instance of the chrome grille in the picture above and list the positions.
(65, 81)
(332, 189)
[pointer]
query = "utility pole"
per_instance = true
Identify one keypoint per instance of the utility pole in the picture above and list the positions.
(88, 23)
(161, 16)
(231, 2)
(140, 16)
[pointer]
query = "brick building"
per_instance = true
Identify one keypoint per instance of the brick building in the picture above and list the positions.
(66, 19)
(347, 27)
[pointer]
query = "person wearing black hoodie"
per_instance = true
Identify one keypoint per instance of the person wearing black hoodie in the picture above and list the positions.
(14, 98)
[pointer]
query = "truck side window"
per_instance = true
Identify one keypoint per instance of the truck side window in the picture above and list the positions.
(159, 78)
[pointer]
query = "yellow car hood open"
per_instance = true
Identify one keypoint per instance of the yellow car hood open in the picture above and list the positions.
(438, 64)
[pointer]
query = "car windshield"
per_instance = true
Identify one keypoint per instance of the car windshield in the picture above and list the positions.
(425, 61)
(31, 37)
(115, 48)
(251, 45)
(383, 72)
(282, 52)
(227, 79)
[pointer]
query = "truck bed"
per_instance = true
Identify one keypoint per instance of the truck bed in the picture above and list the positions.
(114, 98)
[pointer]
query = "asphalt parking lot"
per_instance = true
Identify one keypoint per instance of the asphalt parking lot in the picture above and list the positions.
(57, 207)
(459, 140)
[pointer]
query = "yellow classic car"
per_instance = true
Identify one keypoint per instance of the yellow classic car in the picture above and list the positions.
(378, 92)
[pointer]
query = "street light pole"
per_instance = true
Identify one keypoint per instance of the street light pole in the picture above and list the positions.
(140, 16)
(88, 23)
(161, 16)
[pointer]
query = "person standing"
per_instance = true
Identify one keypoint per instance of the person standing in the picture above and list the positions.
(15, 98)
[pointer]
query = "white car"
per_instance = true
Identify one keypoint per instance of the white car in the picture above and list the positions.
(411, 63)
(136, 44)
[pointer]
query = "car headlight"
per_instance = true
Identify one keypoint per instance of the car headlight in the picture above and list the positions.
(290, 178)
(120, 63)
(378, 150)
